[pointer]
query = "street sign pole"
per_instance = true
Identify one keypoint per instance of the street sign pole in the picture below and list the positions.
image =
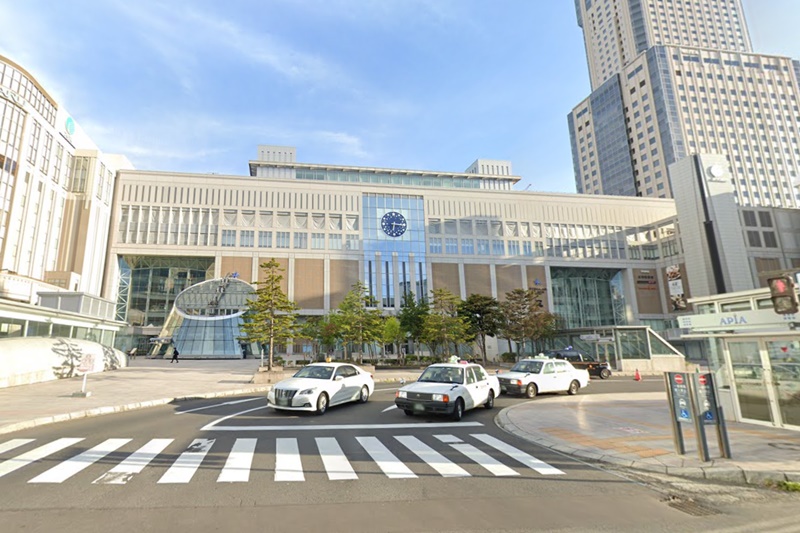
(677, 431)
(699, 425)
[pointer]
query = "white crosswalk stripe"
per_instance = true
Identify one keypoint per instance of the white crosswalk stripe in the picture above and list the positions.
(524, 458)
(393, 467)
(336, 464)
(6, 467)
(434, 459)
(482, 458)
(134, 464)
(189, 461)
(237, 467)
(70, 467)
(457, 456)
(288, 465)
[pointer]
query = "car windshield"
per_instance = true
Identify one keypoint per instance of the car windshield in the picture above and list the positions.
(532, 367)
(442, 374)
(315, 372)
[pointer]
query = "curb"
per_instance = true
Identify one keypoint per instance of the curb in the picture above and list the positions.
(728, 474)
(97, 411)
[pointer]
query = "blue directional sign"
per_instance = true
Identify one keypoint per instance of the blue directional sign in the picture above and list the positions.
(679, 388)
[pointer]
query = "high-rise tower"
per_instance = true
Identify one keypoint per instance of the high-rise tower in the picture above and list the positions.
(671, 79)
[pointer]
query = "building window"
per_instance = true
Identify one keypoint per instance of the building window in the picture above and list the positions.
(754, 239)
(246, 238)
(228, 237)
(527, 250)
(351, 242)
(281, 239)
(435, 245)
(451, 246)
(335, 242)
(513, 248)
(300, 241)
(498, 248)
(769, 239)
(483, 246)
(467, 247)
(317, 241)
(265, 239)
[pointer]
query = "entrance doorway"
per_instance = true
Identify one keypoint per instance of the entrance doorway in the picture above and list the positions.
(766, 377)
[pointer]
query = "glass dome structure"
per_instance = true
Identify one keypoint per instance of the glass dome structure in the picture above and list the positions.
(206, 319)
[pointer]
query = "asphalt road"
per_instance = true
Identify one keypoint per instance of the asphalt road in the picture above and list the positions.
(236, 465)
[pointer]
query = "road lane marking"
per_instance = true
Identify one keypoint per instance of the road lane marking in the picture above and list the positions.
(333, 427)
(386, 460)
(437, 461)
(524, 458)
(14, 443)
(70, 467)
(134, 464)
(334, 459)
(183, 469)
(389, 408)
(479, 456)
(237, 467)
(288, 466)
(15, 463)
(217, 405)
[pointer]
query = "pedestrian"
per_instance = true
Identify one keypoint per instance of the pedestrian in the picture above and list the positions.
(175, 355)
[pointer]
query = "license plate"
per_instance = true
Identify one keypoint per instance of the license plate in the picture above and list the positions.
(283, 402)
(419, 407)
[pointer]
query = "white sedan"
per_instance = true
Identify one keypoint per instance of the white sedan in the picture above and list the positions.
(450, 389)
(533, 376)
(317, 386)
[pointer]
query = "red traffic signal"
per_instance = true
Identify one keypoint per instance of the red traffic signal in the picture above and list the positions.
(784, 298)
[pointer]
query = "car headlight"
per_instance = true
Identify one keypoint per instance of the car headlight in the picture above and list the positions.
(517, 382)
(401, 394)
(306, 392)
(440, 398)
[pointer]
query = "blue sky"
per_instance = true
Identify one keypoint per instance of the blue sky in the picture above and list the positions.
(196, 85)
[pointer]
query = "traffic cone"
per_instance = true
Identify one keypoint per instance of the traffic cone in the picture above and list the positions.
(637, 376)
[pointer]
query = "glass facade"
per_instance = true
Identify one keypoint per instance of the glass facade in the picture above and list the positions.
(613, 150)
(149, 285)
(382, 277)
(391, 178)
(588, 297)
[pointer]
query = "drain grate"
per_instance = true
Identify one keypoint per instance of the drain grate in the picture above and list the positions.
(690, 507)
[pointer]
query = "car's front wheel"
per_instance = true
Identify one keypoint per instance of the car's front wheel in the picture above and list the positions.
(364, 396)
(322, 404)
(458, 411)
(490, 400)
(531, 391)
(605, 373)
(573, 388)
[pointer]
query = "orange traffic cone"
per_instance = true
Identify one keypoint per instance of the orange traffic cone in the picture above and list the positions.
(637, 376)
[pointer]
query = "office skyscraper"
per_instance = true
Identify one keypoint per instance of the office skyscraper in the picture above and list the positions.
(671, 79)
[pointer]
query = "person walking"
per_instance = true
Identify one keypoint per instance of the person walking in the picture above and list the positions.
(175, 355)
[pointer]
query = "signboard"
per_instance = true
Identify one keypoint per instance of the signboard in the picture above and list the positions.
(706, 398)
(681, 401)
(677, 295)
(87, 364)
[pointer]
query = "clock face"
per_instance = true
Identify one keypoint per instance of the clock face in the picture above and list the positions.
(393, 224)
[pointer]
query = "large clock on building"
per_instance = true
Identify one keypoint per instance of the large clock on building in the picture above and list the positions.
(393, 224)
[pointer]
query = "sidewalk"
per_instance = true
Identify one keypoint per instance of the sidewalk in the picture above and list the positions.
(635, 431)
(145, 383)
(627, 430)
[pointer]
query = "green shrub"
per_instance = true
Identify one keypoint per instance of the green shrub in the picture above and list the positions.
(508, 357)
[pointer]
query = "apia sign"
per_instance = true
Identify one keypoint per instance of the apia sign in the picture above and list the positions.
(734, 320)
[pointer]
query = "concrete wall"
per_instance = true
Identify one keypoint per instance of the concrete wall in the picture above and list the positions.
(26, 360)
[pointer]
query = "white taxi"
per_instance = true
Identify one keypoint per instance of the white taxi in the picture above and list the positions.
(450, 389)
(533, 376)
(317, 386)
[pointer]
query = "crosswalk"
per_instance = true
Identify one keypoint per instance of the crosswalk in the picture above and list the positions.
(396, 457)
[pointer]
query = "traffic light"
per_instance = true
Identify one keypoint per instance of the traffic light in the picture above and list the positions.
(784, 299)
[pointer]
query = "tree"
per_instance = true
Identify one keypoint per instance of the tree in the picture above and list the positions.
(520, 312)
(311, 330)
(544, 326)
(412, 316)
(356, 321)
(393, 334)
(484, 319)
(443, 326)
(271, 316)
